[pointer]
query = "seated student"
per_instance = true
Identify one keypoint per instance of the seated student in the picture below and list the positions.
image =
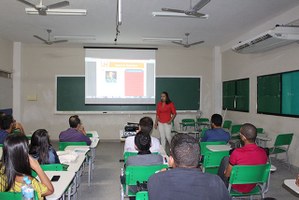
(6, 127)
(75, 133)
(16, 164)
(185, 180)
(17, 127)
(216, 134)
(146, 126)
(41, 149)
(144, 157)
(249, 154)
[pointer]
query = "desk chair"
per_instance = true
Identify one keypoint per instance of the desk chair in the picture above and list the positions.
(63, 145)
(281, 145)
(235, 137)
(249, 174)
(138, 173)
(187, 123)
(212, 161)
(128, 154)
(202, 123)
(143, 195)
(227, 124)
(259, 130)
(203, 146)
(14, 196)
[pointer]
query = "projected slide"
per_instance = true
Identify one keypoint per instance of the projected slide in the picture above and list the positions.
(119, 81)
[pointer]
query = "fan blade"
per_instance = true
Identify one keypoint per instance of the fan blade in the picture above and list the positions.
(58, 41)
(27, 3)
(58, 5)
(42, 39)
(172, 10)
(179, 43)
(195, 43)
(200, 5)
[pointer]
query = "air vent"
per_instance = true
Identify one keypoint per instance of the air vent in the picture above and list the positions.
(279, 36)
(5, 74)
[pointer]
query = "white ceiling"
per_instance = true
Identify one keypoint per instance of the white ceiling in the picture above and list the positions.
(227, 20)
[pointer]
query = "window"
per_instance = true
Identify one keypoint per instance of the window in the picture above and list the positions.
(236, 95)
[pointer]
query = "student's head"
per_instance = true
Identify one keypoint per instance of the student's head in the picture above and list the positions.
(74, 121)
(146, 125)
(165, 97)
(7, 122)
(184, 151)
(142, 142)
(39, 145)
(248, 133)
(216, 119)
(15, 159)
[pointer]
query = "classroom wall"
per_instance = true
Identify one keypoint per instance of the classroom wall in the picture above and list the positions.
(6, 60)
(40, 64)
(236, 66)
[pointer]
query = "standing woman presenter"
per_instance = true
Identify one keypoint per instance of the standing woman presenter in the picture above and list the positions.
(165, 114)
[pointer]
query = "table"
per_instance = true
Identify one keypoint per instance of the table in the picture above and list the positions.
(290, 183)
(219, 147)
(262, 139)
(61, 185)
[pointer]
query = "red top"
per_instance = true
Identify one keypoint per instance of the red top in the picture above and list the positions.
(250, 154)
(165, 111)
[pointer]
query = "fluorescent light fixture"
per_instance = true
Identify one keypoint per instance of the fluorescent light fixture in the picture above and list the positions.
(32, 11)
(74, 37)
(174, 14)
(162, 39)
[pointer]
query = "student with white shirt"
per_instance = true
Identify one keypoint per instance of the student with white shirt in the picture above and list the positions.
(146, 126)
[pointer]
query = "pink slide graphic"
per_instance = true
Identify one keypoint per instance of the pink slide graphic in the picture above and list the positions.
(134, 83)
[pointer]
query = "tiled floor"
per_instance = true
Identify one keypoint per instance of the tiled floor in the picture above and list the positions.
(105, 184)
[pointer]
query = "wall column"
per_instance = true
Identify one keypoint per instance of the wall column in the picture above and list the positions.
(217, 79)
(17, 81)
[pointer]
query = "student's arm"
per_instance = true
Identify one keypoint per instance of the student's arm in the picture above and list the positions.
(42, 176)
(228, 170)
(173, 113)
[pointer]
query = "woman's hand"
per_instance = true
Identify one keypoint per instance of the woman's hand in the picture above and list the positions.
(156, 125)
(34, 163)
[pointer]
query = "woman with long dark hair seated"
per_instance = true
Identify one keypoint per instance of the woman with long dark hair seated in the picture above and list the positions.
(41, 148)
(17, 164)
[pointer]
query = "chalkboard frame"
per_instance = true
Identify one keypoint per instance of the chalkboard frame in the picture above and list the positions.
(127, 108)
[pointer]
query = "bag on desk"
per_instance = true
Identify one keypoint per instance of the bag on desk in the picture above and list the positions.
(141, 186)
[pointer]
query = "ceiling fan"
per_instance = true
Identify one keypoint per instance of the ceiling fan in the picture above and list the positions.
(49, 42)
(42, 9)
(187, 44)
(193, 11)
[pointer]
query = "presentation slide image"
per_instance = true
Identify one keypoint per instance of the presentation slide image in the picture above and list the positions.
(134, 83)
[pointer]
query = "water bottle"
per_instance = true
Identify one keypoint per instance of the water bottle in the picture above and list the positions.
(27, 190)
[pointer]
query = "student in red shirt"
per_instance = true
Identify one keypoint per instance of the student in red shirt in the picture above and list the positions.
(165, 114)
(249, 154)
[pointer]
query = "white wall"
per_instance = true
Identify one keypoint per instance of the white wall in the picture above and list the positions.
(237, 66)
(6, 64)
(40, 64)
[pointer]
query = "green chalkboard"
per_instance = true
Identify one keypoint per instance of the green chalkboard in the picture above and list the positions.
(268, 94)
(183, 91)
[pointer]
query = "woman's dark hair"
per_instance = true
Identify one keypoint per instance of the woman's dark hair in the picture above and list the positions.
(15, 159)
(39, 146)
(168, 101)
